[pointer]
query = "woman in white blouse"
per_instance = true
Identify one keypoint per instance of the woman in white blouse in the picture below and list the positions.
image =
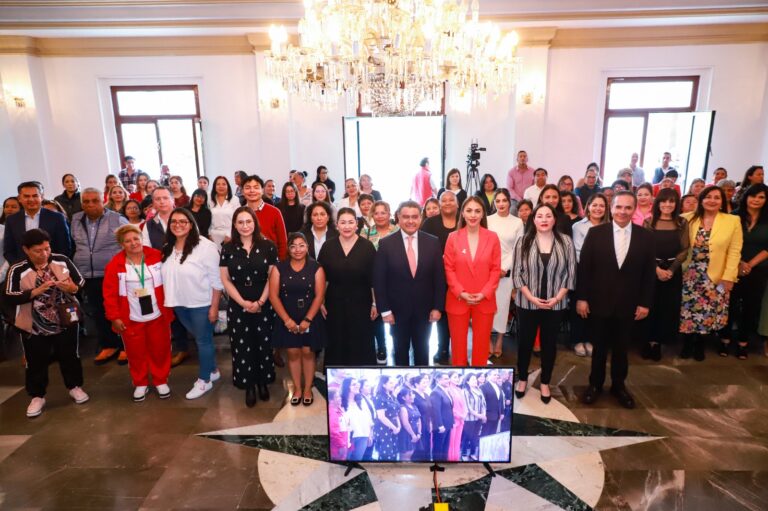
(350, 200)
(222, 204)
(192, 285)
(509, 228)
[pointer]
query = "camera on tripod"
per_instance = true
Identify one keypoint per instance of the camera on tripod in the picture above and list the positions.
(473, 156)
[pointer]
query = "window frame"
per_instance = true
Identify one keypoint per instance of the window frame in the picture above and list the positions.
(643, 112)
(153, 119)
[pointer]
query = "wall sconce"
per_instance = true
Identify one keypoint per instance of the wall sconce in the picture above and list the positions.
(532, 89)
(19, 102)
(528, 97)
(272, 95)
(15, 97)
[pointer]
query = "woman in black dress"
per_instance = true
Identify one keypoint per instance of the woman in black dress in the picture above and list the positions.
(387, 425)
(670, 232)
(291, 208)
(409, 438)
(349, 306)
(420, 385)
(198, 205)
(296, 290)
(245, 265)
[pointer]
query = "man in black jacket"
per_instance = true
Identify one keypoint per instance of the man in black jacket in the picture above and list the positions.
(615, 284)
(442, 417)
(494, 403)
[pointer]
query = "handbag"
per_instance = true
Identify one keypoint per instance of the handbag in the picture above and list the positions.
(70, 312)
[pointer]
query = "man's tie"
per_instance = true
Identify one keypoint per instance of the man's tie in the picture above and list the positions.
(623, 247)
(411, 254)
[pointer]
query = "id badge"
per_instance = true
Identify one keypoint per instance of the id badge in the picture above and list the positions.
(141, 292)
(145, 304)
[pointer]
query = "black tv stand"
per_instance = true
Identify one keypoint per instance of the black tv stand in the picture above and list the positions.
(350, 465)
(489, 469)
(436, 468)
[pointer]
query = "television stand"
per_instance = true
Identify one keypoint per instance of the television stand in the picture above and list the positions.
(489, 469)
(350, 465)
(436, 468)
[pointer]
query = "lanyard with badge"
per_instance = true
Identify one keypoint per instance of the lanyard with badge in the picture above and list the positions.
(142, 293)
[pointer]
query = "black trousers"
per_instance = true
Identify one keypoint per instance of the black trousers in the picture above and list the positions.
(745, 304)
(440, 444)
(38, 349)
(489, 427)
(379, 334)
(423, 450)
(470, 436)
(94, 306)
(407, 332)
(610, 334)
(530, 321)
(443, 336)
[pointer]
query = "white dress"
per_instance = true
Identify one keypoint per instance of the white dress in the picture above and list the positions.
(509, 228)
(221, 220)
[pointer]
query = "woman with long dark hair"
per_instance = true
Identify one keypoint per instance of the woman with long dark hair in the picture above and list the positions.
(142, 179)
(670, 232)
(198, 206)
(571, 206)
(409, 437)
(486, 193)
(387, 425)
(11, 206)
(291, 208)
(754, 175)
(132, 211)
(322, 177)
(550, 195)
(470, 437)
(244, 266)
(360, 418)
(544, 271)
(178, 192)
(319, 228)
(472, 260)
(453, 183)
(709, 272)
(70, 197)
(192, 284)
(222, 205)
(645, 204)
(747, 295)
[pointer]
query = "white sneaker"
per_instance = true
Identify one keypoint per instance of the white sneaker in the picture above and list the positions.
(79, 395)
(140, 393)
(199, 388)
(215, 375)
(589, 348)
(163, 391)
(580, 350)
(35, 407)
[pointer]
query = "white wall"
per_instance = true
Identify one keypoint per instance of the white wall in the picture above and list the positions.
(734, 82)
(70, 126)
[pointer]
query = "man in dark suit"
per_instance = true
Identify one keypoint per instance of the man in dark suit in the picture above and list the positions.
(34, 216)
(442, 417)
(506, 387)
(615, 284)
(494, 403)
(409, 284)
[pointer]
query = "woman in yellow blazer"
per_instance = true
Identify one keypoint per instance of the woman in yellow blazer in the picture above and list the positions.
(709, 271)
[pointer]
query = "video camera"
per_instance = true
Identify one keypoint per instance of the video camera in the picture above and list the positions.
(473, 156)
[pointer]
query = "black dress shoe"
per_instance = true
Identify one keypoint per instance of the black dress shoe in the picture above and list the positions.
(590, 395)
(624, 398)
(698, 351)
(264, 392)
(250, 396)
(520, 394)
(546, 399)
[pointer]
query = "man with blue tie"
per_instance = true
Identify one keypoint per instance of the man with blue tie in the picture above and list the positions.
(409, 284)
(34, 216)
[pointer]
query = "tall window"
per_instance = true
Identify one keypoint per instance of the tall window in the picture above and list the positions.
(160, 125)
(642, 116)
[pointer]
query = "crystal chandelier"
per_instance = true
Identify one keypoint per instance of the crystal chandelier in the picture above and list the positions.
(393, 55)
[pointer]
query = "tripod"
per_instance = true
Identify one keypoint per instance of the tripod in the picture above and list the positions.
(473, 179)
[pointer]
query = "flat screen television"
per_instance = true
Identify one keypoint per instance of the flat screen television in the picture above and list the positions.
(420, 414)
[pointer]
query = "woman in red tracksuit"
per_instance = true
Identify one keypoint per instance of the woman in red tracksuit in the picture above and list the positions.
(133, 301)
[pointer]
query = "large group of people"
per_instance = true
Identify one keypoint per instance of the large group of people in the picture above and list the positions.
(424, 415)
(299, 274)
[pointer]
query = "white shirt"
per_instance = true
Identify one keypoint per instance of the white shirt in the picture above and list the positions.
(190, 284)
(344, 203)
(415, 252)
(319, 240)
(32, 222)
(132, 283)
(145, 233)
(532, 193)
(617, 237)
(221, 219)
(360, 420)
(509, 228)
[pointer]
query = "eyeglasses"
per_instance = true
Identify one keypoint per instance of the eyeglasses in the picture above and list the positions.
(180, 223)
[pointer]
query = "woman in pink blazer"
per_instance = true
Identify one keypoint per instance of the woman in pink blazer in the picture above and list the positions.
(472, 270)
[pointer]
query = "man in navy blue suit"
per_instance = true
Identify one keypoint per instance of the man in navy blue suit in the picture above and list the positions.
(34, 216)
(409, 284)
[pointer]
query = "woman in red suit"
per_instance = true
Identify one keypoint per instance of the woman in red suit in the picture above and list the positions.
(472, 270)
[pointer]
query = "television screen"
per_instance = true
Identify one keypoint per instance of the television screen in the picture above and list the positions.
(420, 414)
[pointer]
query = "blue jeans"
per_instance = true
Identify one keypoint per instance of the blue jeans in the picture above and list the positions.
(359, 444)
(196, 321)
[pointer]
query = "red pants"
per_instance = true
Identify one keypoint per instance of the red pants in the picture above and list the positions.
(148, 346)
(458, 324)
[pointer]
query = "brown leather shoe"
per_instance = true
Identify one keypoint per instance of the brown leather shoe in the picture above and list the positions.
(178, 358)
(122, 358)
(105, 356)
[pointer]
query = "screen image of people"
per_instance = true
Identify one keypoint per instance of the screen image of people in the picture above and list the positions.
(419, 414)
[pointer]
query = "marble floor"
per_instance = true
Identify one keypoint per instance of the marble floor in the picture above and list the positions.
(698, 440)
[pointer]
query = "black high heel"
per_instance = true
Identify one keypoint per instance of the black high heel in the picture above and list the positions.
(546, 399)
(520, 394)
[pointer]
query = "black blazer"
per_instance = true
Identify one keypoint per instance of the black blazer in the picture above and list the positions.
(442, 409)
(610, 290)
(397, 290)
(494, 405)
(331, 234)
(507, 388)
(490, 208)
(52, 222)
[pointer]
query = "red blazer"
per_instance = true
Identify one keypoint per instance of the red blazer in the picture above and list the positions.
(115, 300)
(478, 276)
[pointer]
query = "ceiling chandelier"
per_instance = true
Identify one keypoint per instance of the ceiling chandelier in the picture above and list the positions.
(393, 56)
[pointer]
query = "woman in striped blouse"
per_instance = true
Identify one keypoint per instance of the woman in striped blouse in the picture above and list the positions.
(544, 270)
